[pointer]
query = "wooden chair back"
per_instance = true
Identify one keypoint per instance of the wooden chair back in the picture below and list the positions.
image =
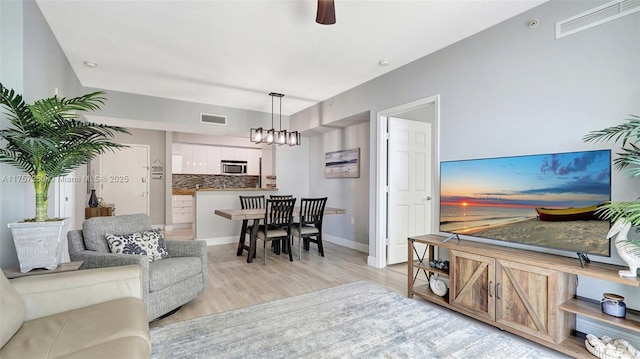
(248, 202)
(312, 211)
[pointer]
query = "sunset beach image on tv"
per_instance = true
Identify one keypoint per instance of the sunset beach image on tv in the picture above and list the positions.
(547, 200)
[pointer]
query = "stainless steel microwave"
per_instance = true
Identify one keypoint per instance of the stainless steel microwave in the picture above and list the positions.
(229, 167)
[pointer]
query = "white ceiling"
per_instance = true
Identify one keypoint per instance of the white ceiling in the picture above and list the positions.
(233, 53)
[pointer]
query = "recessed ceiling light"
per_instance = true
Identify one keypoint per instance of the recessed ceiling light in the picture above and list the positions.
(384, 62)
(90, 64)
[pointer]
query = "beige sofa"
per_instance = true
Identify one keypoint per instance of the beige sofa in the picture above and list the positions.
(96, 313)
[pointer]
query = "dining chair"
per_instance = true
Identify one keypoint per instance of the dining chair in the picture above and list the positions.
(276, 245)
(247, 202)
(278, 219)
(309, 229)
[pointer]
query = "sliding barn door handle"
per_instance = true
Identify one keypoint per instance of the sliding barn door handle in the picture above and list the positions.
(498, 290)
(490, 289)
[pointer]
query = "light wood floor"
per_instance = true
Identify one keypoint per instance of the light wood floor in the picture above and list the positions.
(234, 283)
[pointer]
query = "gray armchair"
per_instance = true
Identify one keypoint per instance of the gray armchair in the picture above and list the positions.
(167, 283)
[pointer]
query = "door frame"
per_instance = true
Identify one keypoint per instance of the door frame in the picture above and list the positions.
(381, 210)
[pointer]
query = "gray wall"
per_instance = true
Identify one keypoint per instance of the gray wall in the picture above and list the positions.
(351, 194)
(34, 65)
(180, 116)
(512, 90)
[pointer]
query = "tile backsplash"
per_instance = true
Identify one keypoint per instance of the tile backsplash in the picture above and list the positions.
(179, 181)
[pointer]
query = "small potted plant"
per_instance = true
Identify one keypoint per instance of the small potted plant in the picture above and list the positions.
(624, 214)
(47, 139)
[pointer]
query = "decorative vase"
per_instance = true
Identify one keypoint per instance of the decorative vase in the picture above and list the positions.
(613, 304)
(93, 199)
(40, 244)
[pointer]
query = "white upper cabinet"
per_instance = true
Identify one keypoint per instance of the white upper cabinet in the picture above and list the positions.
(199, 159)
(213, 160)
(227, 154)
(234, 154)
(241, 154)
(203, 159)
(182, 158)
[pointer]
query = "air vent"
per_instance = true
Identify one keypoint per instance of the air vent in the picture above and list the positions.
(596, 16)
(213, 119)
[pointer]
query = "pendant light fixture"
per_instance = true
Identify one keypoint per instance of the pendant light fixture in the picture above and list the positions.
(271, 136)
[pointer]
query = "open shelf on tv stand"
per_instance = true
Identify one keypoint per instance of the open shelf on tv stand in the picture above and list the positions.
(559, 272)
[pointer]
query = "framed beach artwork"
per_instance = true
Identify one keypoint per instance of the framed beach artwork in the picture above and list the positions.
(342, 164)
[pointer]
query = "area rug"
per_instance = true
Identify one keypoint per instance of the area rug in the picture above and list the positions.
(356, 320)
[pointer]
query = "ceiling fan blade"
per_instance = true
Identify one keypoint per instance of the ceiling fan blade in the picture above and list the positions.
(326, 14)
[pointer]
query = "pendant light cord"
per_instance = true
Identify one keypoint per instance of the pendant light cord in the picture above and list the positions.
(280, 113)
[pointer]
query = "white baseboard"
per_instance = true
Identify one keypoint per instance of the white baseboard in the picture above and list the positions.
(168, 227)
(372, 261)
(346, 243)
(587, 326)
(221, 240)
(161, 226)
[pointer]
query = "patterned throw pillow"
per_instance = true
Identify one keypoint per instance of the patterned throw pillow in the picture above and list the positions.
(147, 243)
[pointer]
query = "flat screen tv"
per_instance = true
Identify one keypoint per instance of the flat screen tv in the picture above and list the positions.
(545, 200)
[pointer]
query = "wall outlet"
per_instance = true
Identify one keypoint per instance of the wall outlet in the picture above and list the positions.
(353, 220)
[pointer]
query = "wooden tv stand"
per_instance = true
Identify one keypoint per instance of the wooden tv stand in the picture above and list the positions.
(527, 293)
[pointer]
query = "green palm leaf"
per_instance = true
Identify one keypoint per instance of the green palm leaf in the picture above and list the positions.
(47, 139)
(628, 159)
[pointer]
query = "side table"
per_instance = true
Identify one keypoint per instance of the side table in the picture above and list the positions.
(11, 273)
(104, 210)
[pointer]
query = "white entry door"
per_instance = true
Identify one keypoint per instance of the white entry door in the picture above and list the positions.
(124, 179)
(409, 166)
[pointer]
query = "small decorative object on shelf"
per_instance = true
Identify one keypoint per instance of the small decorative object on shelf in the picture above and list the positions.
(605, 347)
(612, 304)
(271, 181)
(437, 285)
(439, 264)
(93, 199)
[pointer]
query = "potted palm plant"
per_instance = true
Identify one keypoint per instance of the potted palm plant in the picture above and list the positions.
(47, 139)
(624, 214)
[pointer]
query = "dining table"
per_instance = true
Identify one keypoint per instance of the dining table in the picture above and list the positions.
(257, 214)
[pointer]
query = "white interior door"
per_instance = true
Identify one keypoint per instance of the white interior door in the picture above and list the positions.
(409, 170)
(124, 179)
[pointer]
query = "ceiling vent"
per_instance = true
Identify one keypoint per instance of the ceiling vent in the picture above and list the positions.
(213, 119)
(596, 16)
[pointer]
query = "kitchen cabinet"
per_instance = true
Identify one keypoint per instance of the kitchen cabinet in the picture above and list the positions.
(182, 158)
(241, 154)
(234, 154)
(182, 209)
(213, 160)
(204, 159)
(227, 153)
(199, 158)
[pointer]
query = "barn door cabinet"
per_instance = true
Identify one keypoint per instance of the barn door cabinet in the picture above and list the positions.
(527, 293)
(514, 295)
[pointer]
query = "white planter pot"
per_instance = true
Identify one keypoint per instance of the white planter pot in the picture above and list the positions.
(40, 244)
